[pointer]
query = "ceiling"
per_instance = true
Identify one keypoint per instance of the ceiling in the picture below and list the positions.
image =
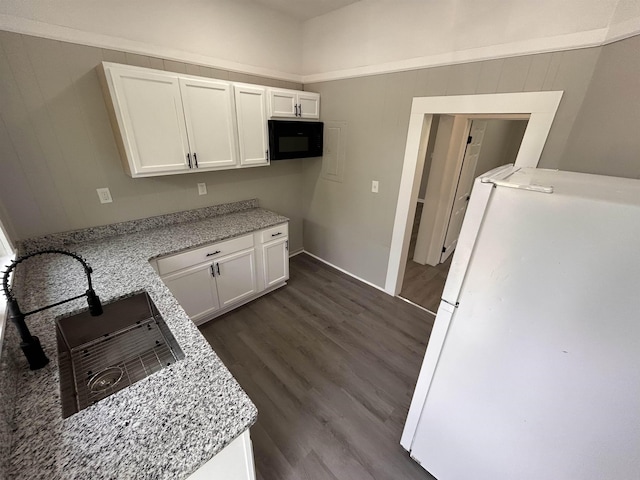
(306, 9)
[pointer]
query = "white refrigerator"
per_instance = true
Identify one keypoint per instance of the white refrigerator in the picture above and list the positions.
(532, 370)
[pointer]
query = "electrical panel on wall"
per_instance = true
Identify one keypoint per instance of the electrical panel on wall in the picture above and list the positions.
(334, 155)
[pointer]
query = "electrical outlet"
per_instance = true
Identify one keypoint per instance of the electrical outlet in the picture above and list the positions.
(202, 189)
(374, 186)
(104, 195)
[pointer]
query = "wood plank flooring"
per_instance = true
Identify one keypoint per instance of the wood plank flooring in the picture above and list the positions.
(423, 284)
(331, 364)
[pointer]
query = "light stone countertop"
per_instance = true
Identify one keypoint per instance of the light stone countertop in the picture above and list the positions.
(166, 425)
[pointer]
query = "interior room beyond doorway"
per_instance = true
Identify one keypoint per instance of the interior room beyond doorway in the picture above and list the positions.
(470, 146)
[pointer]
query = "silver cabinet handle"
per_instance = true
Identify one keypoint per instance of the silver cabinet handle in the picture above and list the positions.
(299, 109)
(276, 234)
(213, 273)
(213, 253)
(218, 268)
(296, 109)
(189, 159)
(195, 159)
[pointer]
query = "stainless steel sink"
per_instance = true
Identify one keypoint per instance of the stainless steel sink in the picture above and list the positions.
(99, 356)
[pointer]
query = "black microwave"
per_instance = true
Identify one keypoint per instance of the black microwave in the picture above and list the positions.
(290, 139)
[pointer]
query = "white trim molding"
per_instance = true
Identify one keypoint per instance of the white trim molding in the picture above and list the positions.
(573, 41)
(620, 31)
(27, 26)
(541, 107)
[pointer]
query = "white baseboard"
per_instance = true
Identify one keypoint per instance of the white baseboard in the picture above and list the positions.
(345, 272)
(297, 252)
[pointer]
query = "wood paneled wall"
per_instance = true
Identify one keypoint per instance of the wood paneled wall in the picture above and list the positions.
(57, 147)
(349, 226)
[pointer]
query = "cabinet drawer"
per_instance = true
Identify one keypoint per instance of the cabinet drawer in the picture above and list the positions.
(276, 232)
(211, 252)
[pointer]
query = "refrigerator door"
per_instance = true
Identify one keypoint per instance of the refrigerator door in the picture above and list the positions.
(434, 347)
(482, 188)
(538, 374)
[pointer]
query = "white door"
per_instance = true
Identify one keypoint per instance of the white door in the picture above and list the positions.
(283, 103)
(236, 277)
(208, 108)
(275, 257)
(252, 124)
(149, 108)
(195, 290)
(309, 105)
(463, 190)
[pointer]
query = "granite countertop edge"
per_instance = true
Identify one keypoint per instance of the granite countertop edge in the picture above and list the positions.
(163, 427)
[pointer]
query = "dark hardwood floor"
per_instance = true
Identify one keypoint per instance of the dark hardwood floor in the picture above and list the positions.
(423, 284)
(331, 364)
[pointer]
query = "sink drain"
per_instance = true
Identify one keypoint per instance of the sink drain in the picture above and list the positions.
(105, 379)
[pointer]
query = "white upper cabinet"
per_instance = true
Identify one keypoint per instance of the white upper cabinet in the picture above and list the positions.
(208, 111)
(283, 103)
(252, 124)
(167, 123)
(293, 104)
(148, 110)
(309, 105)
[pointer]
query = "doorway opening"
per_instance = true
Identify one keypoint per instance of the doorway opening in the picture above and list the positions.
(460, 148)
(541, 107)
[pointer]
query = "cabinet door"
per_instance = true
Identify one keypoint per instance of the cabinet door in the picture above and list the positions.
(283, 103)
(233, 462)
(195, 290)
(208, 108)
(236, 277)
(252, 124)
(309, 105)
(275, 258)
(149, 111)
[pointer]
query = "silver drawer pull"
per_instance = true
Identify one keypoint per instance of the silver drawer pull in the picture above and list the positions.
(214, 253)
(276, 234)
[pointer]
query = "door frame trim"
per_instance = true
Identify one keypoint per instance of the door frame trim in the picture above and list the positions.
(541, 108)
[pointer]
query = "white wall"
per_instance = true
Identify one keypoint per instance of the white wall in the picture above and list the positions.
(414, 33)
(231, 34)
(366, 37)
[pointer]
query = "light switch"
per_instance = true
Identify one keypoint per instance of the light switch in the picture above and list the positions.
(374, 186)
(202, 189)
(104, 195)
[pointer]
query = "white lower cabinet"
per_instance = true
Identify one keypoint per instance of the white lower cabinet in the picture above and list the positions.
(275, 260)
(234, 462)
(236, 277)
(211, 280)
(195, 289)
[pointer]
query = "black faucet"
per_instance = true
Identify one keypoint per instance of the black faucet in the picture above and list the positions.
(30, 344)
